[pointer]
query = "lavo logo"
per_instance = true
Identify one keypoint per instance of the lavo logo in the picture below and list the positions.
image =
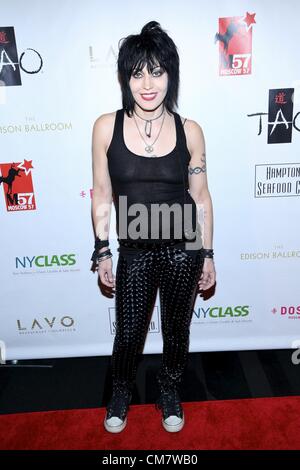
(221, 312)
(43, 261)
(10, 65)
(41, 324)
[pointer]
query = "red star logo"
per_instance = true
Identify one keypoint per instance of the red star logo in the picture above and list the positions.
(249, 19)
(26, 165)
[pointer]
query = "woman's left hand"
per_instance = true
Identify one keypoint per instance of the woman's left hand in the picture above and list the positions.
(208, 276)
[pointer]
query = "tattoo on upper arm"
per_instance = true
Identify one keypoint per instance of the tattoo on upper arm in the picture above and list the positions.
(198, 169)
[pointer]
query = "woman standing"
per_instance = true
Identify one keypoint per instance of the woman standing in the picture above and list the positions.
(152, 162)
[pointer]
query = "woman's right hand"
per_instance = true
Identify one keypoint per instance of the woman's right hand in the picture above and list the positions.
(105, 272)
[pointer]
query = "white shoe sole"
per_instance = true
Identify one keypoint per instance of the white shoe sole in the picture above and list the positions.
(115, 429)
(175, 427)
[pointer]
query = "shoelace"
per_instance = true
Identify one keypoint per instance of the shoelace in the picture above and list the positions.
(118, 404)
(169, 403)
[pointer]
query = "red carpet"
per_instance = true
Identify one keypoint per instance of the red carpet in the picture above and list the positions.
(261, 423)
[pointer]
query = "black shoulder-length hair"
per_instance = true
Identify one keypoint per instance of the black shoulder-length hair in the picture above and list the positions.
(153, 47)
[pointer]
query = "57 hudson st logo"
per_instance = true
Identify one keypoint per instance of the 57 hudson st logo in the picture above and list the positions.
(30, 60)
(17, 186)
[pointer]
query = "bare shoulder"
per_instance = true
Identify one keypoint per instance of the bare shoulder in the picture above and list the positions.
(194, 134)
(103, 129)
(105, 120)
(191, 126)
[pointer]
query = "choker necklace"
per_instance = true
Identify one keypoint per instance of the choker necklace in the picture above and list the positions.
(149, 147)
(149, 122)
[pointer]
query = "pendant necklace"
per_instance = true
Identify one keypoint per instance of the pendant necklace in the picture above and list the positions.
(149, 147)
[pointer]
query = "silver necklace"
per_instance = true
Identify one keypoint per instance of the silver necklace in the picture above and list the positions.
(149, 122)
(149, 147)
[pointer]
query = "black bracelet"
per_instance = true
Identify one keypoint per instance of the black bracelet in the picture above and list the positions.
(103, 256)
(104, 253)
(208, 252)
(98, 245)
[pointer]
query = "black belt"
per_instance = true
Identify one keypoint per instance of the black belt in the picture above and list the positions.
(132, 244)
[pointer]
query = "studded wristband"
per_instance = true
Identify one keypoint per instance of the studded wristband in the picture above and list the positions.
(208, 252)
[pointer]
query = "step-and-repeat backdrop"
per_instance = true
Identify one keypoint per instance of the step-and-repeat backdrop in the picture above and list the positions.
(240, 80)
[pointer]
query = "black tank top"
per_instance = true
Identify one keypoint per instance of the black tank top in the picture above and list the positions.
(150, 180)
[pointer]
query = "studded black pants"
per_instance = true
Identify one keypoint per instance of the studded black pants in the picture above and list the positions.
(139, 273)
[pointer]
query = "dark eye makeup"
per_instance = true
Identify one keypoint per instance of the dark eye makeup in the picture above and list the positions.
(155, 71)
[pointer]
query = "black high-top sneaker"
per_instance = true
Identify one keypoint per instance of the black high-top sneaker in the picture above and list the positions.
(172, 412)
(117, 409)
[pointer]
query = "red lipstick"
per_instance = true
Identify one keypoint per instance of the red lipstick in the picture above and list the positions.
(148, 96)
